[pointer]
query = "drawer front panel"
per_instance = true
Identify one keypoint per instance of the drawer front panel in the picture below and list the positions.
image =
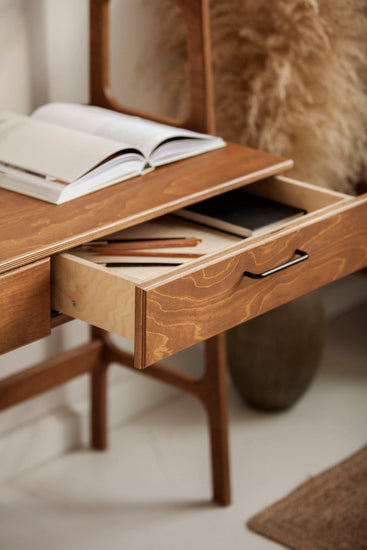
(187, 310)
(24, 305)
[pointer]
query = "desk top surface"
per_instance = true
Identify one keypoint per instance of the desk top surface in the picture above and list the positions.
(31, 229)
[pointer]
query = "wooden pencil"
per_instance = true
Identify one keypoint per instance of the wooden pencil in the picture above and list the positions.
(117, 252)
(144, 244)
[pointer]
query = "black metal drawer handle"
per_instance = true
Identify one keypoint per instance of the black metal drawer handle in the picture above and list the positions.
(302, 257)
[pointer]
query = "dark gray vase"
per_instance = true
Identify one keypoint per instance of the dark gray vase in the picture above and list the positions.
(273, 358)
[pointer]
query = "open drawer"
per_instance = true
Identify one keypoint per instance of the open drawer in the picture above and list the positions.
(167, 308)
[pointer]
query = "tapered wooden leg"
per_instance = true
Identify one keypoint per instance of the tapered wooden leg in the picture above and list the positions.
(98, 391)
(216, 401)
(211, 389)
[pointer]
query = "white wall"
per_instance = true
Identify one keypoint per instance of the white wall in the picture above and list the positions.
(44, 52)
(15, 86)
(44, 57)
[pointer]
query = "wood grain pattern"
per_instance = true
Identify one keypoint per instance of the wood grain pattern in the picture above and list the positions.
(93, 294)
(174, 314)
(196, 14)
(210, 300)
(31, 230)
(297, 193)
(50, 373)
(115, 300)
(39, 229)
(24, 305)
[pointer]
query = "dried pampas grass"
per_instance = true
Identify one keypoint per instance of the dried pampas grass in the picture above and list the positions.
(290, 78)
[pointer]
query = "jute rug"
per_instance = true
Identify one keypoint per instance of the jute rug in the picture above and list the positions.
(328, 512)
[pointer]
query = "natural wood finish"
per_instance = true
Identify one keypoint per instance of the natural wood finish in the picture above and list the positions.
(211, 241)
(297, 193)
(50, 373)
(216, 397)
(38, 229)
(98, 396)
(95, 295)
(106, 297)
(210, 300)
(59, 320)
(160, 372)
(187, 304)
(51, 228)
(24, 305)
(196, 14)
(211, 389)
(212, 294)
(87, 291)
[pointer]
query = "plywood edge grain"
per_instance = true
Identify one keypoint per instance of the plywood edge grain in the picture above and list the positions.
(140, 329)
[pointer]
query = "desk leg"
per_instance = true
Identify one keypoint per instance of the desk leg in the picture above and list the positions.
(215, 398)
(211, 389)
(98, 395)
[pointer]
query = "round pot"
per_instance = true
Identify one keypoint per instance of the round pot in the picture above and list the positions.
(273, 358)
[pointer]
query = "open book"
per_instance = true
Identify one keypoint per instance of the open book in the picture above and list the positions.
(64, 150)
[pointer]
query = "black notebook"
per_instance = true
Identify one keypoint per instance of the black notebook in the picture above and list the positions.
(241, 213)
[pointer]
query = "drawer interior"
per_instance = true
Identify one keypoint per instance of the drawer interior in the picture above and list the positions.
(86, 286)
(291, 192)
(164, 260)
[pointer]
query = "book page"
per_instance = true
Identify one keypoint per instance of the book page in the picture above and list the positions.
(182, 148)
(145, 135)
(50, 150)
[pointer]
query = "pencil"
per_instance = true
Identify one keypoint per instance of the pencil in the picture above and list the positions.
(144, 244)
(117, 252)
(139, 264)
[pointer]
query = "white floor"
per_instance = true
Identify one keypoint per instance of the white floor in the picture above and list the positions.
(151, 490)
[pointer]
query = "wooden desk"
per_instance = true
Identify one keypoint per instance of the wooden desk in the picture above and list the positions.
(194, 303)
(211, 291)
(31, 232)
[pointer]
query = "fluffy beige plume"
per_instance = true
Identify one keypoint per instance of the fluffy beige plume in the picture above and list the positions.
(290, 78)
